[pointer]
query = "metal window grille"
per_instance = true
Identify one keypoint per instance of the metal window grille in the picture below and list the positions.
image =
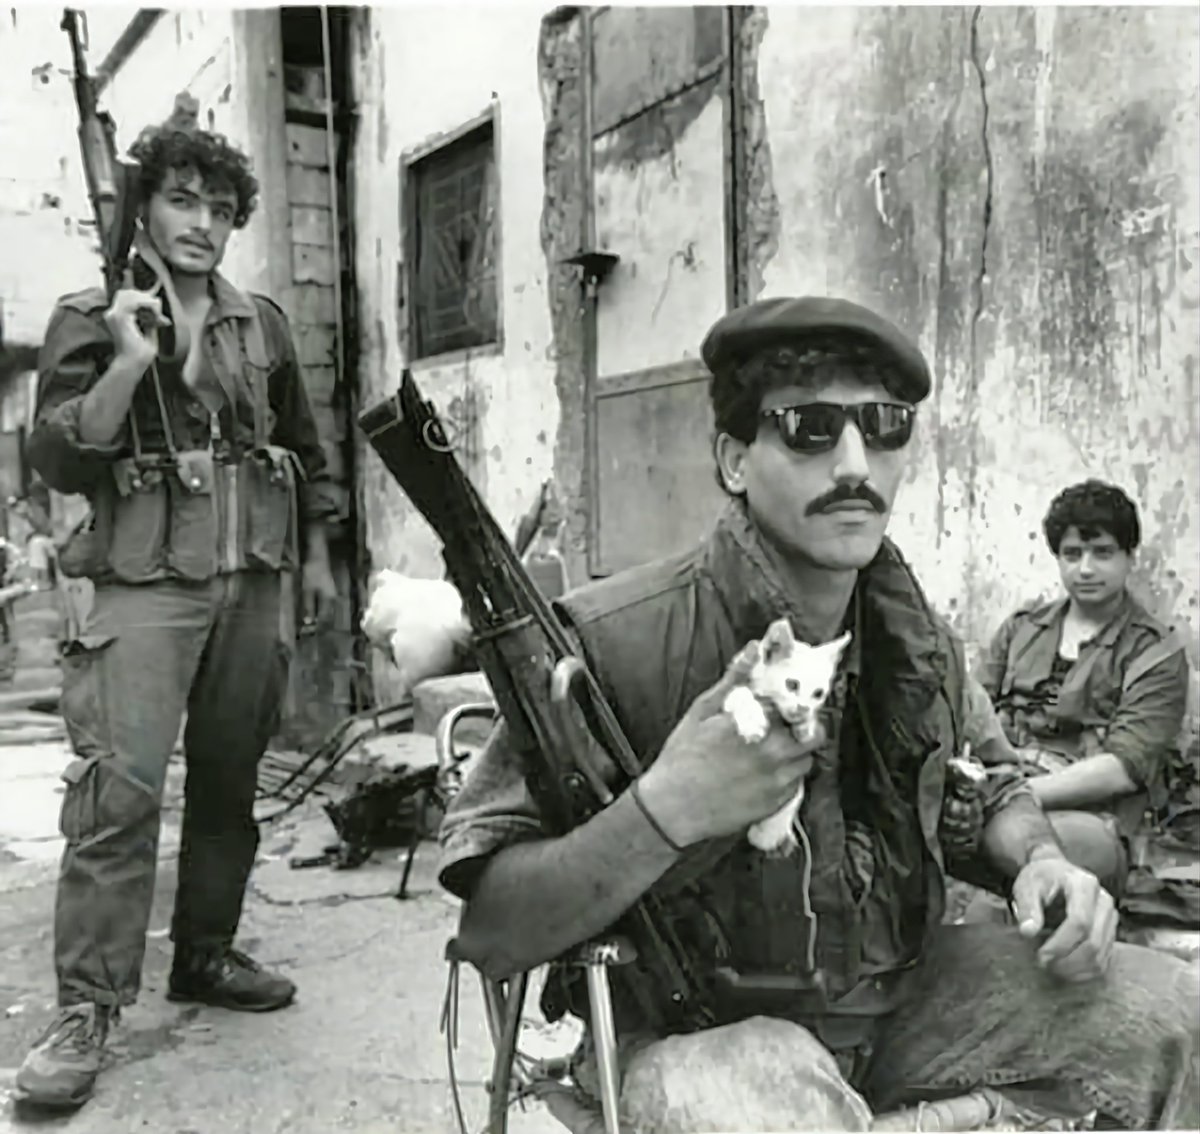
(453, 253)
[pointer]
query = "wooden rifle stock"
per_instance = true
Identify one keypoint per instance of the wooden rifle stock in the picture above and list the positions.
(554, 709)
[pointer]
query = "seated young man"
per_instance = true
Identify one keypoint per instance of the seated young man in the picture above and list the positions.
(1091, 689)
(826, 974)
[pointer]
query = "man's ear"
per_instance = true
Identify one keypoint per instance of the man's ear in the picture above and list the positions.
(730, 455)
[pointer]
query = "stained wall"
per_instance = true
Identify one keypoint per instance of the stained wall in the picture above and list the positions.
(1016, 186)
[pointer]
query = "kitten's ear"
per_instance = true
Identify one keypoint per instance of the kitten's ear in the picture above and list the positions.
(777, 641)
(838, 646)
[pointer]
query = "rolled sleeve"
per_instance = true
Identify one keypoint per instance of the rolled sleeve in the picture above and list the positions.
(1003, 787)
(982, 728)
(76, 350)
(493, 809)
(1149, 717)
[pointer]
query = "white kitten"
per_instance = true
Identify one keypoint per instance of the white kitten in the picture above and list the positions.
(793, 679)
(418, 623)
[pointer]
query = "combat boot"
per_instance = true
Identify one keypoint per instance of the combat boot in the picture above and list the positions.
(61, 1068)
(227, 978)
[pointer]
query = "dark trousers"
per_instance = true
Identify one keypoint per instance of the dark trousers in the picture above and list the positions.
(219, 651)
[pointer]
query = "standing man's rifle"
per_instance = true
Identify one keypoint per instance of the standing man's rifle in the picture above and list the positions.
(549, 699)
(113, 189)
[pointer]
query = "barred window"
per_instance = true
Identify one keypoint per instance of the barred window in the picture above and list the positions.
(452, 246)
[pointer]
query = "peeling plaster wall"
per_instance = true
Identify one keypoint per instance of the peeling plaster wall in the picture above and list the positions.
(1018, 187)
(189, 49)
(504, 398)
(560, 71)
(227, 58)
(659, 181)
(45, 251)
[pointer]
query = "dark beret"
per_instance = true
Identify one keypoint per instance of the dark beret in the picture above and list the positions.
(811, 320)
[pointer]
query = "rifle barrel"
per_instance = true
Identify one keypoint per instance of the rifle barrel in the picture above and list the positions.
(524, 650)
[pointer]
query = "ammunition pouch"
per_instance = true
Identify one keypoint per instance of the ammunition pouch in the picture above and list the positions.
(189, 518)
(269, 520)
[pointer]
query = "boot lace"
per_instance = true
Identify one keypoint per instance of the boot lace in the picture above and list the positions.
(239, 960)
(75, 1030)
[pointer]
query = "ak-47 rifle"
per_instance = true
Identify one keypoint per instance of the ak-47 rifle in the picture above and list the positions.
(113, 189)
(544, 690)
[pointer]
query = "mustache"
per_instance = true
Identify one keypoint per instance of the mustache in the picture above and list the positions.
(844, 494)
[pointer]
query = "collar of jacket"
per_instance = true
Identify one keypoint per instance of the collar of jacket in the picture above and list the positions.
(1052, 614)
(229, 302)
(893, 614)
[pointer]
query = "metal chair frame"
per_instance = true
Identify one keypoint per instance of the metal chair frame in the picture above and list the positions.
(504, 1002)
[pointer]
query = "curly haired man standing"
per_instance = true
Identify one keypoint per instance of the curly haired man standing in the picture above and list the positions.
(208, 498)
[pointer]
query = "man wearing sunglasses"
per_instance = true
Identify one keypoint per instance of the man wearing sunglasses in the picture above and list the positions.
(814, 403)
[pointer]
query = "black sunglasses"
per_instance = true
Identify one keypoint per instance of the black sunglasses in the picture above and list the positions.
(816, 427)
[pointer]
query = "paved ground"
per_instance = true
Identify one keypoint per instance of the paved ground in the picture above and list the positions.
(360, 1050)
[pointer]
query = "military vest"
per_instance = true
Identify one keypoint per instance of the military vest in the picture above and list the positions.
(195, 493)
(658, 636)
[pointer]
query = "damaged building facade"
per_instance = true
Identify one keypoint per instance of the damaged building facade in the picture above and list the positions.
(1017, 187)
(541, 212)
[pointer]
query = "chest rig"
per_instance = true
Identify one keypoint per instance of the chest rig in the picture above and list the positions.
(195, 497)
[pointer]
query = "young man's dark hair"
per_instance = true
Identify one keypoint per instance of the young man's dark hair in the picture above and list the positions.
(1093, 507)
(178, 145)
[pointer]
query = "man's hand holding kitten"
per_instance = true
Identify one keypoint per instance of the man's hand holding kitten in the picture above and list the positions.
(708, 782)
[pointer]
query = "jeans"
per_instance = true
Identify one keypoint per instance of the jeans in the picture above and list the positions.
(980, 1012)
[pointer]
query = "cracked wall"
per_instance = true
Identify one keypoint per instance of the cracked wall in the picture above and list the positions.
(43, 196)
(1018, 187)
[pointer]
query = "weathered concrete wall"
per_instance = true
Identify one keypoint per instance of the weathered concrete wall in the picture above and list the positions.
(227, 58)
(44, 250)
(561, 75)
(503, 398)
(1019, 187)
(1016, 186)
